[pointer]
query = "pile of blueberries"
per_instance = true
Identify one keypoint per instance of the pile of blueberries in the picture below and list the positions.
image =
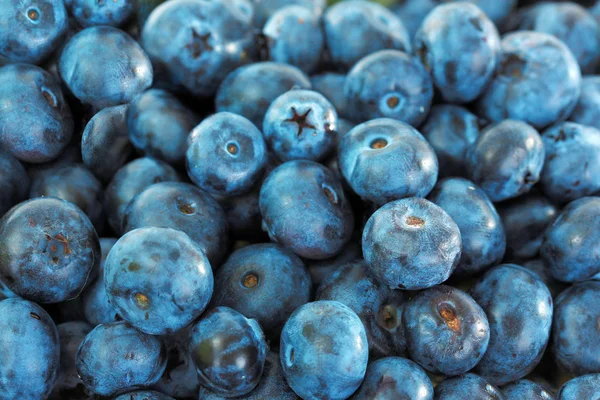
(289, 199)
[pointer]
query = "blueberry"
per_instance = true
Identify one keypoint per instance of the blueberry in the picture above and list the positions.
(14, 182)
(226, 154)
(526, 389)
(586, 112)
(331, 85)
(395, 378)
(48, 247)
(581, 387)
(264, 9)
(570, 245)
(184, 207)
(519, 310)
(116, 358)
(468, 386)
(411, 244)
(540, 267)
(249, 90)
(377, 306)
(96, 308)
(304, 208)
(228, 350)
(389, 83)
(100, 12)
(36, 120)
(324, 351)
(30, 350)
(537, 81)
(264, 282)
(321, 269)
(300, 124)
(459, 46)
(103, 66)
(143, 395)
(506, 160)
(572, 166)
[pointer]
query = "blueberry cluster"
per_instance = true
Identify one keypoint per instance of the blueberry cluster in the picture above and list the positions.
(299, 199)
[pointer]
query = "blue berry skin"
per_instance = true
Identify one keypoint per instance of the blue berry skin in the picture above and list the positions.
(265, 282)
(587, 110)
(116, 358)
(30, 350)
(378, 307)
(103, 66)
(293, 36)
(184, 207)
(331, 85)
(384, 160)
(158, 279)
(468, 386)
(143, 395)
(571, 243)
(389, 83)
(411, 244)
(525, 220)
(304, 208)
(14, 182)
(32, 30)
(537, 81)
(249, 90)
(540, 267)
(451, 130)
(506, 160)
(324, 351)
(413, 12)
(226, 154)
(105, 145)
(36, 120)
(198, 43)
(447, 333)
(497, 11)
(180, 379)
(159, 124)
(572, 166)
(105, 12)
(459, 46)
(228, 350)
(525, 389)
(481, 229)
(48, 247)
(130, 180)
(519, 310)
(582, 387)
(574, 333)
(300, 125)
(264, 9)
(395, 378)
(321, 269)
(357, 28)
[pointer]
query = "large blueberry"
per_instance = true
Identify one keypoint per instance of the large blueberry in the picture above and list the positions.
(14, 182)
(587, 110)
(468, 386)
(96, 308)
(526, 389)
(581, 387)
(100, 12)
(180, 379)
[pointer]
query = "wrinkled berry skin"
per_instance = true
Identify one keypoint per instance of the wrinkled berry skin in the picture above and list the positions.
(300, 125)
(525, 389)
(451, 130)
(587, 110)
(331, 85)
(395, 378)
(519, 307)
(249, 90)
(158, 279)
(574, 335)
(14, 182)
(465, 387)
(265, 282)
(570, 244)
(411, 244)
(31, 30)
(459, 46)
(572, 168)
(264, 9)
(357, 28)
(103, 66)
(96, 308)
(378, 307)
(115, 358)
(537, 81)
(48, 247)
(324, 351)
(304, 209)
(30, 350)
(481, 229)
(229, 351)
(582, 387)
(180, 379)
(506, 160)
(389, 83)
(159, 124)
(197, 43)
(36, 120)
(143, 395)
(226, 154)
(384, 160)
(446, 331)
(104, 12)
(321, 269)
(105, 144)
(184, 207)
